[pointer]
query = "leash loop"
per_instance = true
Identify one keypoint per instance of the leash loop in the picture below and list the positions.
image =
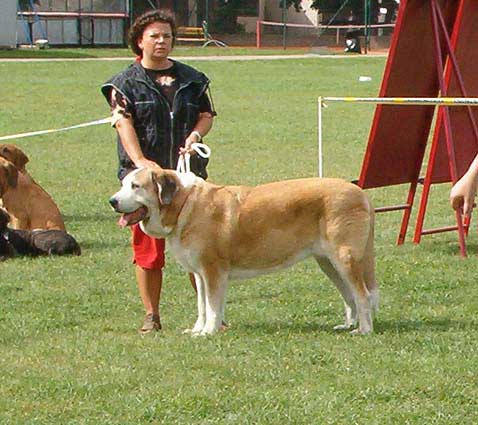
(184, 161)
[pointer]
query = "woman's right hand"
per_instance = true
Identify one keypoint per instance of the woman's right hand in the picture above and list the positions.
(463, 193)
(145, 163)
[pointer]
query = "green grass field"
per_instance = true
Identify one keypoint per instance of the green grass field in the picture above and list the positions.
(69, 350)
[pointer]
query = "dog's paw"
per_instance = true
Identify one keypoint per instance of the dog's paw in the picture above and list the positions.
(197, 328)
(209, 331)
(360, 332)
(201, 333)
(193, 332)
(344, 327)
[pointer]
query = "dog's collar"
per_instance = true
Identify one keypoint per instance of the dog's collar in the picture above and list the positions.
(184, 201)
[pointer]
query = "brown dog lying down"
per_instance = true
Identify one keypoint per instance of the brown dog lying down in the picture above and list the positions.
(233, 232)
(28, 204)
(34, 243)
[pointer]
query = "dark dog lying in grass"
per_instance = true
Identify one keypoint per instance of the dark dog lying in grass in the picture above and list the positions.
(34, 242)
(6, 248)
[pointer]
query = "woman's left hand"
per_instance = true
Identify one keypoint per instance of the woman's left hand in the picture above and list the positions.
(192, 138)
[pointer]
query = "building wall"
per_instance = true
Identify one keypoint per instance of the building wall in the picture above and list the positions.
(60, 32)
(8, 23)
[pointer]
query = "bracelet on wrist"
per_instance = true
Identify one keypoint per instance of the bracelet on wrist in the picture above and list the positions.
(197, 134)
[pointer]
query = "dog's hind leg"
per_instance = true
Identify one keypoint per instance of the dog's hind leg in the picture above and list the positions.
(344, 289)
(352, 272)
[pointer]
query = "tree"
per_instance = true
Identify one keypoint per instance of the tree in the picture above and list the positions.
(226, 13)
(326, 4)
(26, 5)
(356, 6)
(295, 3)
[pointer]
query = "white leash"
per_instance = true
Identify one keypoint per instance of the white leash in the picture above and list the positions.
(184, 161)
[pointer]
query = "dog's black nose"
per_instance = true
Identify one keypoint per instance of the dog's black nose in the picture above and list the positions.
(113, 202)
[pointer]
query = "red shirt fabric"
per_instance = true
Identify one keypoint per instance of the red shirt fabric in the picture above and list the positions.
(148, 252)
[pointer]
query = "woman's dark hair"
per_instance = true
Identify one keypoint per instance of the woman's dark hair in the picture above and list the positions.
(148, 18)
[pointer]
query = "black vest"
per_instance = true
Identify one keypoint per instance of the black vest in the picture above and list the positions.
(161, 129)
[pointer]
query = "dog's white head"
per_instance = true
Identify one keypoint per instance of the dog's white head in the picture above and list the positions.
(143, 194)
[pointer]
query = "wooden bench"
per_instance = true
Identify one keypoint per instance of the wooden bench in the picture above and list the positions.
(191, 34)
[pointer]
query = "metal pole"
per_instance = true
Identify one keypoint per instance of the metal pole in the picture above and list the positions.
(366, 19)
(206, 14)
(130, 11)
(284, 21)
(258, 34)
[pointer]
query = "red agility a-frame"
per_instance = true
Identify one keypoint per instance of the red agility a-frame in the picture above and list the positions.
(432, 54)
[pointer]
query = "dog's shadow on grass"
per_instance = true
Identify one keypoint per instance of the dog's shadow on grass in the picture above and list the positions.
(443, 324)
(452, 248)
(279, 326)
(100, 245)
(92, 217)
(380, 326)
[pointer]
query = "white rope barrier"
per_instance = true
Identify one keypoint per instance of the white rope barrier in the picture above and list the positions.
(39, 133)
(434, 101)
(320, 26)
(183, 166)
(448, 101)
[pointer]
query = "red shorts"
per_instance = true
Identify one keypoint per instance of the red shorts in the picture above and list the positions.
(148, 252)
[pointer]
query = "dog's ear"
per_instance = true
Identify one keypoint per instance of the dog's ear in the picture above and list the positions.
(11, 174)
(4, 218)
(15, 155)
(167, 186)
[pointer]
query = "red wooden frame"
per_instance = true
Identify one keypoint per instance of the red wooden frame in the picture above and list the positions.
(424, 61)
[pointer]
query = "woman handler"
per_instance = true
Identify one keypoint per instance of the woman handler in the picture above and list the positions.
(159, 108)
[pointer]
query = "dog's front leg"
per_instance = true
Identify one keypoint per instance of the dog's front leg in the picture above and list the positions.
(215, 285)
(201, 302)
(21, 223)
